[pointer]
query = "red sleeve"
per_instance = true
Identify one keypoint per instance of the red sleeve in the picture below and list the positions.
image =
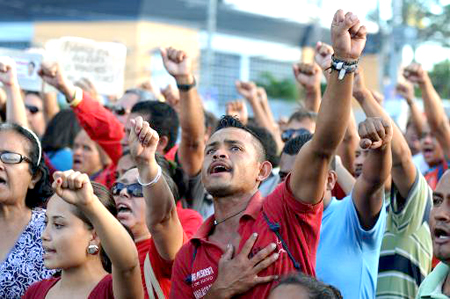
(299, 223)
(190, 220)
(101, 126)
(182, 272)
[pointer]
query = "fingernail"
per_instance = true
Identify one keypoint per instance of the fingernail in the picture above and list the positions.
(353, 17)
(276, 256)
(255, 235)
(228, 246)
(273, 246)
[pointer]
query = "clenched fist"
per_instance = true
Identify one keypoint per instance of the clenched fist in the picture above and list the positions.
(415, 74)
(178, 64)
(375, 132)
(308, 75)
(348, 36)
(8, 74)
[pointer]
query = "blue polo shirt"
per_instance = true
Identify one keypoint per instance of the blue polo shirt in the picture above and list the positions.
(348, 255)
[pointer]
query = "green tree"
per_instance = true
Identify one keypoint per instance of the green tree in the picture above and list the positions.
(440, 76)
(278, 88)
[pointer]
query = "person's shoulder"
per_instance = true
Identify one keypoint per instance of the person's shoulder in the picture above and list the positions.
(40, 289)
(104, 289)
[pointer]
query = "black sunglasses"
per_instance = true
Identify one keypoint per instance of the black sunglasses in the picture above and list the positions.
(132, 189)
(32, 109)
(288, 134)
(13, 158)
(119, 110)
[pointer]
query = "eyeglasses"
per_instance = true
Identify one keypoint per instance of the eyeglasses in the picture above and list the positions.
(13, 158)
(120, 110)
(132, 189)
(32, 109)
(288, 134)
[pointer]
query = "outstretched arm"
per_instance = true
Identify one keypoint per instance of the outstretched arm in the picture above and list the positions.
(406, 90)
(376, 136)
(403, 169)
(192, 122)
(308, 183)
(15, 107)
(162, 217)
(75, 188)
(308, 75)
(98, 122)
(434, 110)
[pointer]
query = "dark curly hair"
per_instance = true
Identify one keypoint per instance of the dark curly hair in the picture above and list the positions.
(315, 288)
(42, 190)
(228, 121)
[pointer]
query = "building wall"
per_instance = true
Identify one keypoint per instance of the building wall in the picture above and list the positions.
(140, 38)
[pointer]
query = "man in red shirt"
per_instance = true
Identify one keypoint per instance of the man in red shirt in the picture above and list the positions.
(258, 239)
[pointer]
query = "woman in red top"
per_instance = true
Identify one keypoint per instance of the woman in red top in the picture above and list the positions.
(79, 227)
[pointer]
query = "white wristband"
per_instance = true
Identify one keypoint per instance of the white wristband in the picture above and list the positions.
(154, 181)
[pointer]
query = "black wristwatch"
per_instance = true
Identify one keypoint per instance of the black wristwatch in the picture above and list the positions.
(187, 87)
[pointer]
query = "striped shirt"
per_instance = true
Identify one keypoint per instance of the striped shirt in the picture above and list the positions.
(406, 251)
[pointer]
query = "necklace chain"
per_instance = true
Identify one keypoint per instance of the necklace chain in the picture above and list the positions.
(229, 217)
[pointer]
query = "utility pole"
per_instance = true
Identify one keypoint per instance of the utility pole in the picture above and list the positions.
(397, 40)
(211, 26)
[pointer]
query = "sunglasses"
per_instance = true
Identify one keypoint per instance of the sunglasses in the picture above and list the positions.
(13, 158)
(32, 109)
(132, 189)
(120, 110)
(288, 134)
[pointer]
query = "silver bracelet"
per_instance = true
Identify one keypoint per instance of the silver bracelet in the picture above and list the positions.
(154, 181)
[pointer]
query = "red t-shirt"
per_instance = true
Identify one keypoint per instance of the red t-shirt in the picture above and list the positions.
(434, 175)
(39, 290)
(161, 267)
(299, 228)
(190, 220)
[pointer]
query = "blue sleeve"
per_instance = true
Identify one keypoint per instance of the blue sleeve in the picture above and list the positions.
(371, 238)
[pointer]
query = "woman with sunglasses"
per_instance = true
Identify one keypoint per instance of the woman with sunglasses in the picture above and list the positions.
(146, 205)
(80, 225)
(24, 187)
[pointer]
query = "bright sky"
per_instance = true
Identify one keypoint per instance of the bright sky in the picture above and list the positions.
(304, 11)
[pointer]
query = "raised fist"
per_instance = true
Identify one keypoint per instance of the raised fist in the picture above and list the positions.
(375, 132)
(322, 56)
(143, 141)
(308, 75)
(73, 187)
(405, 90)
(247, 89)
(415, 73)
(8, 74)
(172, 96)
(51, 73)
(178, 64)
(348, 36)
(239, 109)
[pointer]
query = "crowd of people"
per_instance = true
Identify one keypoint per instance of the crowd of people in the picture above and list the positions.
(160, 199)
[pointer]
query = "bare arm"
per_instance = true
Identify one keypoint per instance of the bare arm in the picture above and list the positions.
(15, 107)
(403, 169)
(192, 122)
(308, 75)
(349, 144)
(75, 188)
(434, 110)
(344, 178)
(406, 90)
(250, 92)
(51, 107)
(376, 135)
(307, 184)
(162, 218)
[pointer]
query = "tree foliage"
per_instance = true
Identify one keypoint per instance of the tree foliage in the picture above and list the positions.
(278, 88)
(440, 76)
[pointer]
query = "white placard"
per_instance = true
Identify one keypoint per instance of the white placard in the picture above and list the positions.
(103, 63)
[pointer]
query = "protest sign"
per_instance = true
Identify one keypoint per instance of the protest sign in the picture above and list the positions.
(103, 63)
(27, 65)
